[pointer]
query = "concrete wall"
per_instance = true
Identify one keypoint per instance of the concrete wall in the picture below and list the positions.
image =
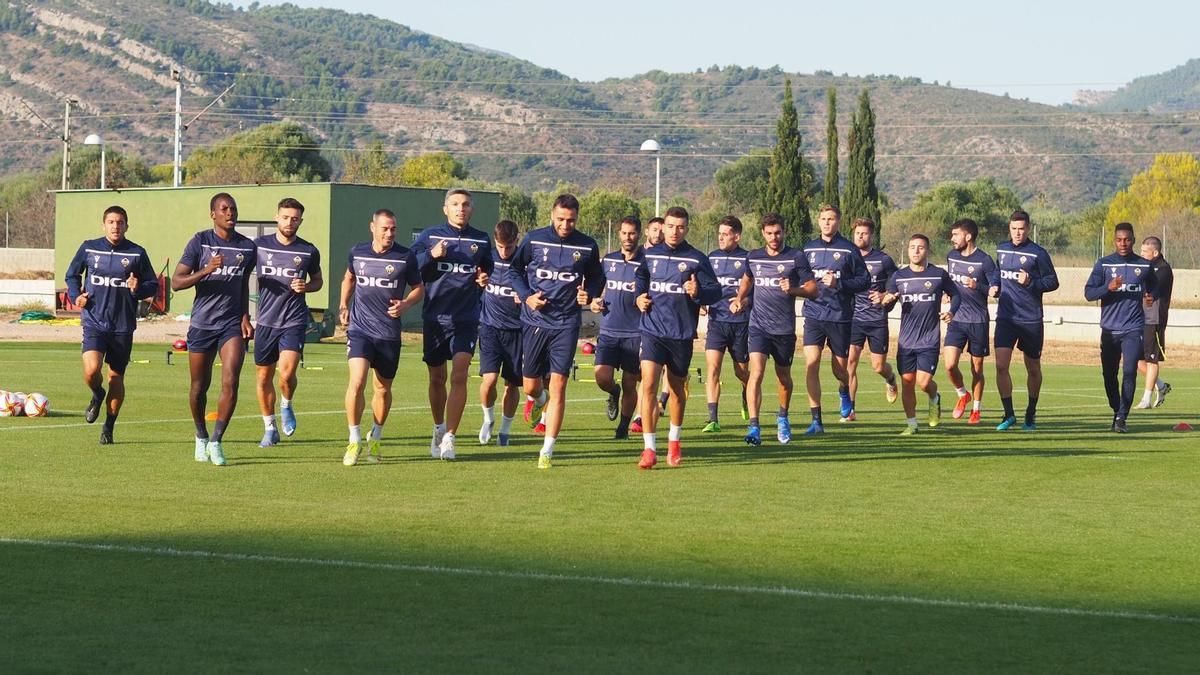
(14, 260)
(15, 292)
(1072, 279)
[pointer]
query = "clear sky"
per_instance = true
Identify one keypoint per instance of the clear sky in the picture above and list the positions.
(1044, 51)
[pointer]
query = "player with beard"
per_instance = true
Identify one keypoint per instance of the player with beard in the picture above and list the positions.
(620, 332)
(727, 331)
(972, 271)
(869, 327)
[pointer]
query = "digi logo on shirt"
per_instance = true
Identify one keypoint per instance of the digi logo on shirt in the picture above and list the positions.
(502, 291)
(1135, 287)
(919, 296)
(270, 269)
(231, 270)
(617, 285)
(456, 268)
(556, 275)
(390, 278)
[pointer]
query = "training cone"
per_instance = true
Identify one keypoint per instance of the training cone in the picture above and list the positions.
(1182, 426)
(211, 417)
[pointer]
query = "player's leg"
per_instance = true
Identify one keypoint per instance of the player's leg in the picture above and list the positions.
(651, 372)
(953, 354)
(926, 383)
(264, 376)
(852, 359)
(812, 379)
(839, 351)
(908, 398)
(713, 359)
(1004, 384)
(487, 401)
(783, 376)
(880, 365)
(757, 370)
(456, 400)
(1131, 351)
(93, 361)
(977, 384)
(676, 383)
(535, 361)
(112, 404)
(1110, 360)
(1033, 367)
(359, 367)
(289, 381)
(233, 354)
(629, 401)
(200, 364)
(560, 349)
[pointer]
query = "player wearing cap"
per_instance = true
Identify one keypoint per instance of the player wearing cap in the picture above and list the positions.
(106, 279)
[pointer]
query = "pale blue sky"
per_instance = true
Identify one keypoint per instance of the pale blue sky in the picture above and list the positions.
(1041, 50)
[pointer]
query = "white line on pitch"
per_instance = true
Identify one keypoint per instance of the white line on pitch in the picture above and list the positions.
(633, 582)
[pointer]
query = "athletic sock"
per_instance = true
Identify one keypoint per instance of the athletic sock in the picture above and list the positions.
(506, 424)
(675, 433)
(543, 397)
(355, 433)
(285, 402)
(1031, 411)
(548, 445)
(783, 413)
(843, 389)
(912, 422)
(662, 399)
(1008, 407)
(376, 431)
(109, 420)
(753, 421)
(712, 412)
(201, 430)
(623, 425)
(1162, 385)
(489, 414)
(977, 405)
(891, 380)
(614, 391)
(97, 393)
(219, 430)
(650, 441)
(960, 391)
(439, 428)
(816, 414)
(1146, 397)
(269, 422)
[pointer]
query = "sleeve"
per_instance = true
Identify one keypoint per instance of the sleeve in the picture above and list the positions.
(1095, 288)
(487, 262)
(994, 279)
(1150, 285)
(412, 271)
(990, 275)
(891, 284)
(706, 279)
(1047, 280)
(191, 254)
(858, 279)
(420, 250)
(316, 262)
(251, 264)
(593, 274)
(147, 279)
(951, 289)
(1165, 288)
(641, 279)
(75, 273)
(517, 270)
(801, 271)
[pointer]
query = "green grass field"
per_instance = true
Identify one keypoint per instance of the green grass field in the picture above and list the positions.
(962, 549)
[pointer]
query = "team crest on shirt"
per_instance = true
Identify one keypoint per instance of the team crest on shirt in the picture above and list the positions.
(737, 264)
(780, 268)
(970, 269)
(1137, 271)
(389, 269)
(906, 287)
(812, 258)
(1022, 260)
(474, 248)
(97, 262)
(239, 257)
(124, 262)
(837, 256)
(576, 256)
(296, 261)
(612, 267)
(362, 266)
(928, 285)
(870, 268)
(682, 267)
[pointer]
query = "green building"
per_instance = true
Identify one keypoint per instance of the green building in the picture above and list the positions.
(336, 217)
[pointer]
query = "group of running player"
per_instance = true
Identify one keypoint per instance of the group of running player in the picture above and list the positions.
(521, 303)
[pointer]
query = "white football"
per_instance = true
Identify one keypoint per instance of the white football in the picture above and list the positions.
(7, 404)
(37, 405)
(19, 403)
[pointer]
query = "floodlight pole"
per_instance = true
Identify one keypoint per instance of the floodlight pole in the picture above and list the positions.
(66, 138)
(175, 75)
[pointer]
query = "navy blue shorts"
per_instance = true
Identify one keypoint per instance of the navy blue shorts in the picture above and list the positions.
(782, 348)
(500, 352)
(676, 355)
(383, 355)
(1027, 337)
(268, 342)
(116, 347)
(731, 337)
(443, 341)
(973, 336)
(835, 334)
(912, 360)
(874, 335)
(210, 340)
(546, 351)
(619, 352)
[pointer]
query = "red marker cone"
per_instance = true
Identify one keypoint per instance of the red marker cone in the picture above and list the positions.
(1182, 426)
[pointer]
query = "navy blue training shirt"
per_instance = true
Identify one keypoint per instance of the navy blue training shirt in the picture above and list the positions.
(100, 269)
(556, 266)
(379, 278)
(841, 258)
(1121, 310)
(880, 268)
(729, 267)
(773, 312)
(977, 266)
(621, 316)
(1023, 304)
(674, 314)
(223, 297)
(921, 304)
(500, 307)
(451, 294)
(278, 264)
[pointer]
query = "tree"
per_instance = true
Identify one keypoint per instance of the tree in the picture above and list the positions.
(934, 211)
(281, 152)
(435, 169)
(787, 189)
(742, 185)
(1163, 200)
(370, 167)
(830, 196)
(600, 208)
(861, 198)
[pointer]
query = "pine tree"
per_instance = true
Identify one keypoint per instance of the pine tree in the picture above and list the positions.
(861, 197)
(788, 185)
(831, 151)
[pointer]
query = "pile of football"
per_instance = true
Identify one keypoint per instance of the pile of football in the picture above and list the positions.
(20, 404)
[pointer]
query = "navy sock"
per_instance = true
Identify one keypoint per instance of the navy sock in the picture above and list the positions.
(816, 414)
(1031, 411)
(753, 421)
(219, 430)
(1008, 407)
(109, 421)
(782, 414)
(712, 412)
(97, 393)
(623, 425)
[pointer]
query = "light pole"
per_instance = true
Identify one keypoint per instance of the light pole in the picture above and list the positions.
(94, 139)
(651, 145)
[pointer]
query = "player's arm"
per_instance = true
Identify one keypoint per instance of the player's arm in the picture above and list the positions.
(951, 289)
(803, 283)
(1096, 286)
(187, 273)
(1047, 279)
(593, 273)
(247, 326)
(344, 296)
(641, 286)
(518, 270)
(412, 277)
(706, 279)
(421, 250)
(147, 280)
(891, 294)
(855, 277)
(75, 273)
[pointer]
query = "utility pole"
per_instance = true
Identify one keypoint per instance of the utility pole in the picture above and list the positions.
(177, 76)
(66, 167)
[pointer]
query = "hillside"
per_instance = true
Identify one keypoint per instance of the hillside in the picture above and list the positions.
(355, 79)
(1176, 90)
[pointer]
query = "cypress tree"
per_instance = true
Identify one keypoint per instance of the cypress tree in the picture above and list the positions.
(861, 197)
(787, 186)
(831, 151)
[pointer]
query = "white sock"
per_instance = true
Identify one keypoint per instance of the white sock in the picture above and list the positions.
(376, 432)
(548, 446)
(505, 424)
(650, 441)
(977, 405)
(912, 422)
(439, 429)
(543, 397)
(1146, 397)
(542, 419)
(285, 403)
(269, 422)
(355, 433)
(960, 391)
(675, 432)
(489, 414)
(448, 436)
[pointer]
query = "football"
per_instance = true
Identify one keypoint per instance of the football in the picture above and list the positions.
(589, 348)
(180, 345)
(7, 404)
(37, 405)
(18, 406)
